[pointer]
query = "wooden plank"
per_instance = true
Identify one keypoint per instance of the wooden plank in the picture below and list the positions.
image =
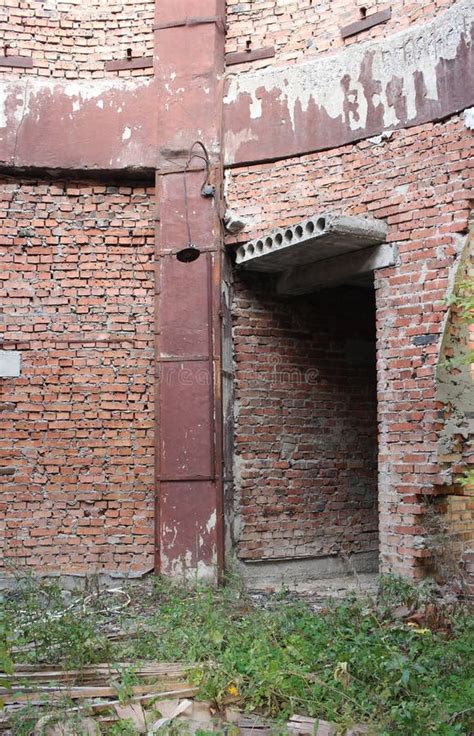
(333, 271)
(189, 693)
(163, 669)
(77, 693)
(365, 23)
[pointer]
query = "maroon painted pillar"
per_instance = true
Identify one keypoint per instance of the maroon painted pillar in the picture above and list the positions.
(189, 63)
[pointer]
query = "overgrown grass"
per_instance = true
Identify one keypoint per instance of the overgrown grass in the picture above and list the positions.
(352, 662)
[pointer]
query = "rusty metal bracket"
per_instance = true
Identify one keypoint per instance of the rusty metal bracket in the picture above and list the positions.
(18, 62)
(365, 23)
(118, 65)
(242, 57)
(194, 21)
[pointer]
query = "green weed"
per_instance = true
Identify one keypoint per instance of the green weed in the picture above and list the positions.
(352, 662)
(49, 627)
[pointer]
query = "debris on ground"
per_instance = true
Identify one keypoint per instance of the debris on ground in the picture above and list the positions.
(90, 700)
(158, 658)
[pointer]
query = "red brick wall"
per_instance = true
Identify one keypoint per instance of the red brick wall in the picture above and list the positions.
(77, 426)
(419, 181)
(302, 30)
(306, 430)
(75, 39)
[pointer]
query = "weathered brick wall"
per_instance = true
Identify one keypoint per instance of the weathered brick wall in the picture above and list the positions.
(419, 181)
(306, 440)
(301, 30)
(74, 39)
(77, 426)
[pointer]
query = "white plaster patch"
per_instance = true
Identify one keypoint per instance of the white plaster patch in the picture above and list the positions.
(3, 111)
(10, 363)
(469, 118)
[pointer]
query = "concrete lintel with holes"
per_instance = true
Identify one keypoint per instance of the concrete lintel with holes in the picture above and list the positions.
(321, 251)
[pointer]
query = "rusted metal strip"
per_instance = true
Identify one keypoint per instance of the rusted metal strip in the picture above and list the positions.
(242, 57)
(19, 62)
(156, 383)
(180, 359)
(142, 62)
(7, 471)
(365, 23)
(187, 479)
(193, 21)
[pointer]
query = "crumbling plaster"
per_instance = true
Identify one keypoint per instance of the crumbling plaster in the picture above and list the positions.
(454, 376)
(421, 74)
(87, 124)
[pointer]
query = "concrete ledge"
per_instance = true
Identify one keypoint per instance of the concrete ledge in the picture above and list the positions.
(317, 238)
(275, 574)
(334, 271)
(77, 581)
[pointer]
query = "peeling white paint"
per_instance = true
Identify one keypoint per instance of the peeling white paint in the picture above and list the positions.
(184, 569)
(234, 140)
(3, 113)
(211, 524)
(30, 89)
(256, 108)
(469, 118)
(377, 140)
(324, 81)
(127, 133)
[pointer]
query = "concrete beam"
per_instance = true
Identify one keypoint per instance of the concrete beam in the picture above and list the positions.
(87, 125)
(334, 271)
(422, 74)
(315, 239)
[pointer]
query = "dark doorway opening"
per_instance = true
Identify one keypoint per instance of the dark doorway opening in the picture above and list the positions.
(306, 435)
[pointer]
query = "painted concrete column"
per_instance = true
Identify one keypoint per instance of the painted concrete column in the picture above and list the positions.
(189, 59)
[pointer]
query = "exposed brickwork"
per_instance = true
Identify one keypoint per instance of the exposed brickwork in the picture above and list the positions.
(460, 518)
(420, 182)
(74, 39)
(468, 562)
(306, 440)
(301, 30)
(77, 426)
(455, 395)
(77, 442)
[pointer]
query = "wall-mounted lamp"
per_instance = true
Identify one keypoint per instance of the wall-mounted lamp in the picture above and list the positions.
(189, 254)
(191, 251)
